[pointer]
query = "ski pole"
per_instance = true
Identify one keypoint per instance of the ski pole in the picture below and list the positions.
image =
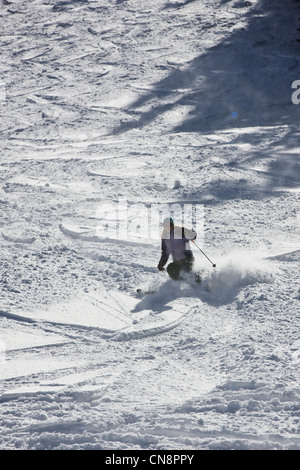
(213, 264)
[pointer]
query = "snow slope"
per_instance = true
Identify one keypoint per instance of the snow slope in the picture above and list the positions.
(157, 102)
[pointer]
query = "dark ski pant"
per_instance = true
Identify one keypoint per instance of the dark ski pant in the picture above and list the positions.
(176, 268)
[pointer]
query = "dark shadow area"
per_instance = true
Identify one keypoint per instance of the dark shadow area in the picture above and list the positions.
(244, 81)
(290, 256)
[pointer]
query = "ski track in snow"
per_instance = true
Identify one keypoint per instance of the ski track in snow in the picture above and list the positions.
(154, 102)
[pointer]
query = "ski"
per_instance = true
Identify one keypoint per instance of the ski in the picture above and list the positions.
(145, 292)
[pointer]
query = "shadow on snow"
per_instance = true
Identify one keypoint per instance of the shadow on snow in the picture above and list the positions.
(244, 81)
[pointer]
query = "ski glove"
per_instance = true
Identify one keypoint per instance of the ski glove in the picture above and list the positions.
(160, 267)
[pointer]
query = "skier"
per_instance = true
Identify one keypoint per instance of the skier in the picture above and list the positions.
(175, 242)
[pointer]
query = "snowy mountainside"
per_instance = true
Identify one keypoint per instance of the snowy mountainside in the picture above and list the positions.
(139, 104)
